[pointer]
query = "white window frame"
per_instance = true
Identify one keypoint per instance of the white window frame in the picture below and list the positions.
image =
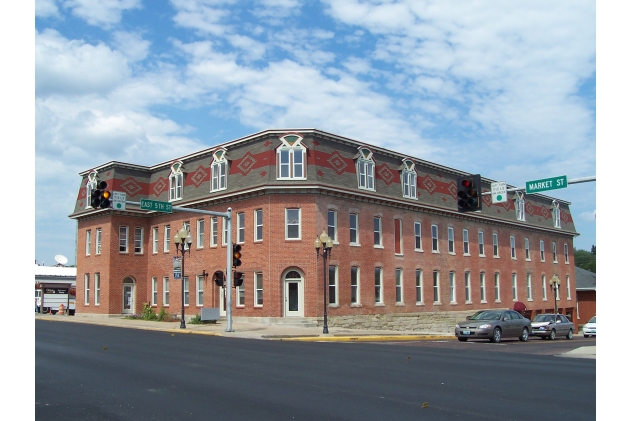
(199, 290)
(258, 288)
(399, 222)
(566, 253)
(332, 225)
(201, 232)
(88, 240)
(97, 289)
(354, 228)
(214, 228)
(419, 287)
(435, 239)
(567, 285)
(291, 158)
(123, 239)
(436, 286)
(542, 254)
(467, 287)
(514, 279)
(365, 169)
(451, 244)
(293, 222)
(481, 243)
(154, 291)
(355, 285)
(167, 240)
(513, 251)
(187, 227)
(98, 241)
(219, 171)
(529, 286)
(90, 186)
(418, 236)
(398, 285)
(86, 289)
(520, 206)
(527, 248)
(408, 179)
(176, 182)
(224, 231)
(333, 285)
(241, 227)
(258, 225)
(378, 285)
(483, 287)
(452, 287)
(465, 242)
(139, 240)
(496, 287)
(556, 214)
(377, 232)
(154, 240)
(240, 295)
(544, 288)
(554, 252)
(496, 245)
(165, 291)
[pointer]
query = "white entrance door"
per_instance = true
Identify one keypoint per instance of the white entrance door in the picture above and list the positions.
(128, 299)
(294, 295)
(222, 301)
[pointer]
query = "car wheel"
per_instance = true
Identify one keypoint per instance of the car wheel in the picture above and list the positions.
(524, 335)
(497, 335)
(463, 339)
(570, 334)
(585, 336)
(553, 334)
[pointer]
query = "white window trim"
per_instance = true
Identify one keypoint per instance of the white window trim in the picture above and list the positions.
(542, 254)
(398, 284)
(224, 231)
(97, 289)
(567, 285)
(365, 168)
(176, 184)
(86, 289)
(297, 148)
(467, 288)
(527, 249)
(452, 288)
(154, 291)
(419, 236)
(199, 288)
(520, 206)
(435, 237)
(465, 241)
(299, 224)
(214, 231)
(418, 277)
(332, 229)
(451, 240)
(350, 228)
(219, 171)
(258, 276)
(529, 287)
(513, 249)
(481, 243)
(357, 286)
(496, 245)
(515, 288)
(408, 179)
(436, 287)
(154, 240)
(379, 299)
(201, 232)
(496, 288)
(335, 284)
(88, 240)
(258, 222)
(126, 244)
(380, 231)
(98, 241)
(142, 238)
(544, 288)
(566, 253)
(240, 295)
(483, 288)
(241, 227)
(165, 291)
(167, 240)
(554, 252)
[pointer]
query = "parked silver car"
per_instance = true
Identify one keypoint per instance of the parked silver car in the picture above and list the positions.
(493, 325)
(552, 325)
(590, 328)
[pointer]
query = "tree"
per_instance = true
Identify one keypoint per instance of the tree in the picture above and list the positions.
(585, 259)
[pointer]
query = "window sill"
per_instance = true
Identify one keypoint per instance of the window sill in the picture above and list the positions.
(482, 255)
(435, 251)
(498, 301)
(334, 305)
(513, 258)
(380, 305)
(452, 253)
(438, 303)
(529, 299)
(528, 259)
(544, 299)
(420, 304)
(378, 246)
(418, 250)
(355, 245)
(466, 254)
(453, 303)
(496, 257)
(483, 302)
(468, 302)
(356, 305)
(567, 263)
(399, 305)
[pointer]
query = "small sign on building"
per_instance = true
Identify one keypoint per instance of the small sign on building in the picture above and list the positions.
(177, 267)
(498, 192)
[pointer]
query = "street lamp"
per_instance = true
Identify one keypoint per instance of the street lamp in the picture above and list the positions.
(554, 284)
(326, 243)
(181, 239)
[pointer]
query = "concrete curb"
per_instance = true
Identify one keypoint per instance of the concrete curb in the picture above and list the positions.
(366, 338)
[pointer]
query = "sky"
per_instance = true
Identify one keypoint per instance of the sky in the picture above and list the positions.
(502, 88)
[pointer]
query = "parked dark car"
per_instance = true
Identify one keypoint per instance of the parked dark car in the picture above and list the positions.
(493, 325)
(549, 326)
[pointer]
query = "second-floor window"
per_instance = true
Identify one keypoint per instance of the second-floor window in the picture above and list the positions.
(354, 226)
(554, 252)
(214, 230)
(292, 224)
(240, 227)
(527, 248)
(200, 233)
(332, 225)
(481, 243)
(450, 240)
(258, 225)
(167, 238)
(513, 253)
(154, 239)
(88, 239)
(566, 252)
(123, 239)
(541, 251)
(465, 241)
(418, 244)
(377, 231)
(435, 238)
(138, 232)
(98, 242)
(496, 247)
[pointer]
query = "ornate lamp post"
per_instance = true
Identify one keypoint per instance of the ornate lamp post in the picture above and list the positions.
(326, 243)
(181, 239)
(554, 284)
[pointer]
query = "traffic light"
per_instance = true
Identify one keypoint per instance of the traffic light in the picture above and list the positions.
(218, 278)
(236, 255)
(101, 198)
(469, 190)
(238, 279)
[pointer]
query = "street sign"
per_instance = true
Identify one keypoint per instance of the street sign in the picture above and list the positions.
(546, 184)
(498, 192)
(177, 267)
(155, 205)
(118, 200)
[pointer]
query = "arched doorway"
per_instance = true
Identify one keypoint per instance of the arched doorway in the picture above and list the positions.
(129, 295)
(293, 282)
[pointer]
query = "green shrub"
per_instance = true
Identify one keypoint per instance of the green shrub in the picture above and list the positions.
(163, 315)
(196, 320)
(148, 313)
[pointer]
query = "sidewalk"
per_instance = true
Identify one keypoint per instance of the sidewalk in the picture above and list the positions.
(252, 330)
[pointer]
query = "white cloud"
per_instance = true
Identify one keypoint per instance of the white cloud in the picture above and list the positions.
(103, 13)
(46, 9)
(131, 45)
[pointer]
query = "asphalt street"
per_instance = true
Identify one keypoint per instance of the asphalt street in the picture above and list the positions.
(91, 372)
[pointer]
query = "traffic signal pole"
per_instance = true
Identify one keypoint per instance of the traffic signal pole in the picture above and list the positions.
(573, 181)
(228, 218)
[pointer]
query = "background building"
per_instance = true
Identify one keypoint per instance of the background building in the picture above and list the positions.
(403, 256)
(585, 296)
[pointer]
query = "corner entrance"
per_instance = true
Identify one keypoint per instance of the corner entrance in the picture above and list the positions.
(294, 294)
(129, 292)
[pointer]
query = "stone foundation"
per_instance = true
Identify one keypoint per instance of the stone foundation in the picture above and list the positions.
(426, 322)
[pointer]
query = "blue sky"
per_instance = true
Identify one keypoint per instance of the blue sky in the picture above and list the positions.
(501, 88)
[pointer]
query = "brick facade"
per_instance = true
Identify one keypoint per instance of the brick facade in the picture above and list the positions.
(330, 184)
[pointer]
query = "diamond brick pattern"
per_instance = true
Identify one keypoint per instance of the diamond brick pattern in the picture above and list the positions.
(131, 187)
(428, 184)
(246, 163)
(160, 186)
(337, 163)
(545, 212)
(453, 190)
(565, 217)
(530, 209)
(507, 205)
(266, 144)
(199, 176)
(385, 174)
(487, 200)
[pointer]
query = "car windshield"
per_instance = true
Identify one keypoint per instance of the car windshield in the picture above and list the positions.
(487, 315)
(543, 318)
(592, 320)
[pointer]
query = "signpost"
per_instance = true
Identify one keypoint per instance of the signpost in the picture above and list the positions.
(155, 205)
(553, 183)
(119, 199)
(498, 192)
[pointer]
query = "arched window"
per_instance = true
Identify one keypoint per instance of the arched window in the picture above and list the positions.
(520, 206)
(408, 179)
(176, 181)
(365, 169)
(291, 158)
(90, 186)
(219, 169)
(556, 214)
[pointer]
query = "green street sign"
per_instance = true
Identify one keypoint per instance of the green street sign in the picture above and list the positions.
(155, 205)
(546, 184)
